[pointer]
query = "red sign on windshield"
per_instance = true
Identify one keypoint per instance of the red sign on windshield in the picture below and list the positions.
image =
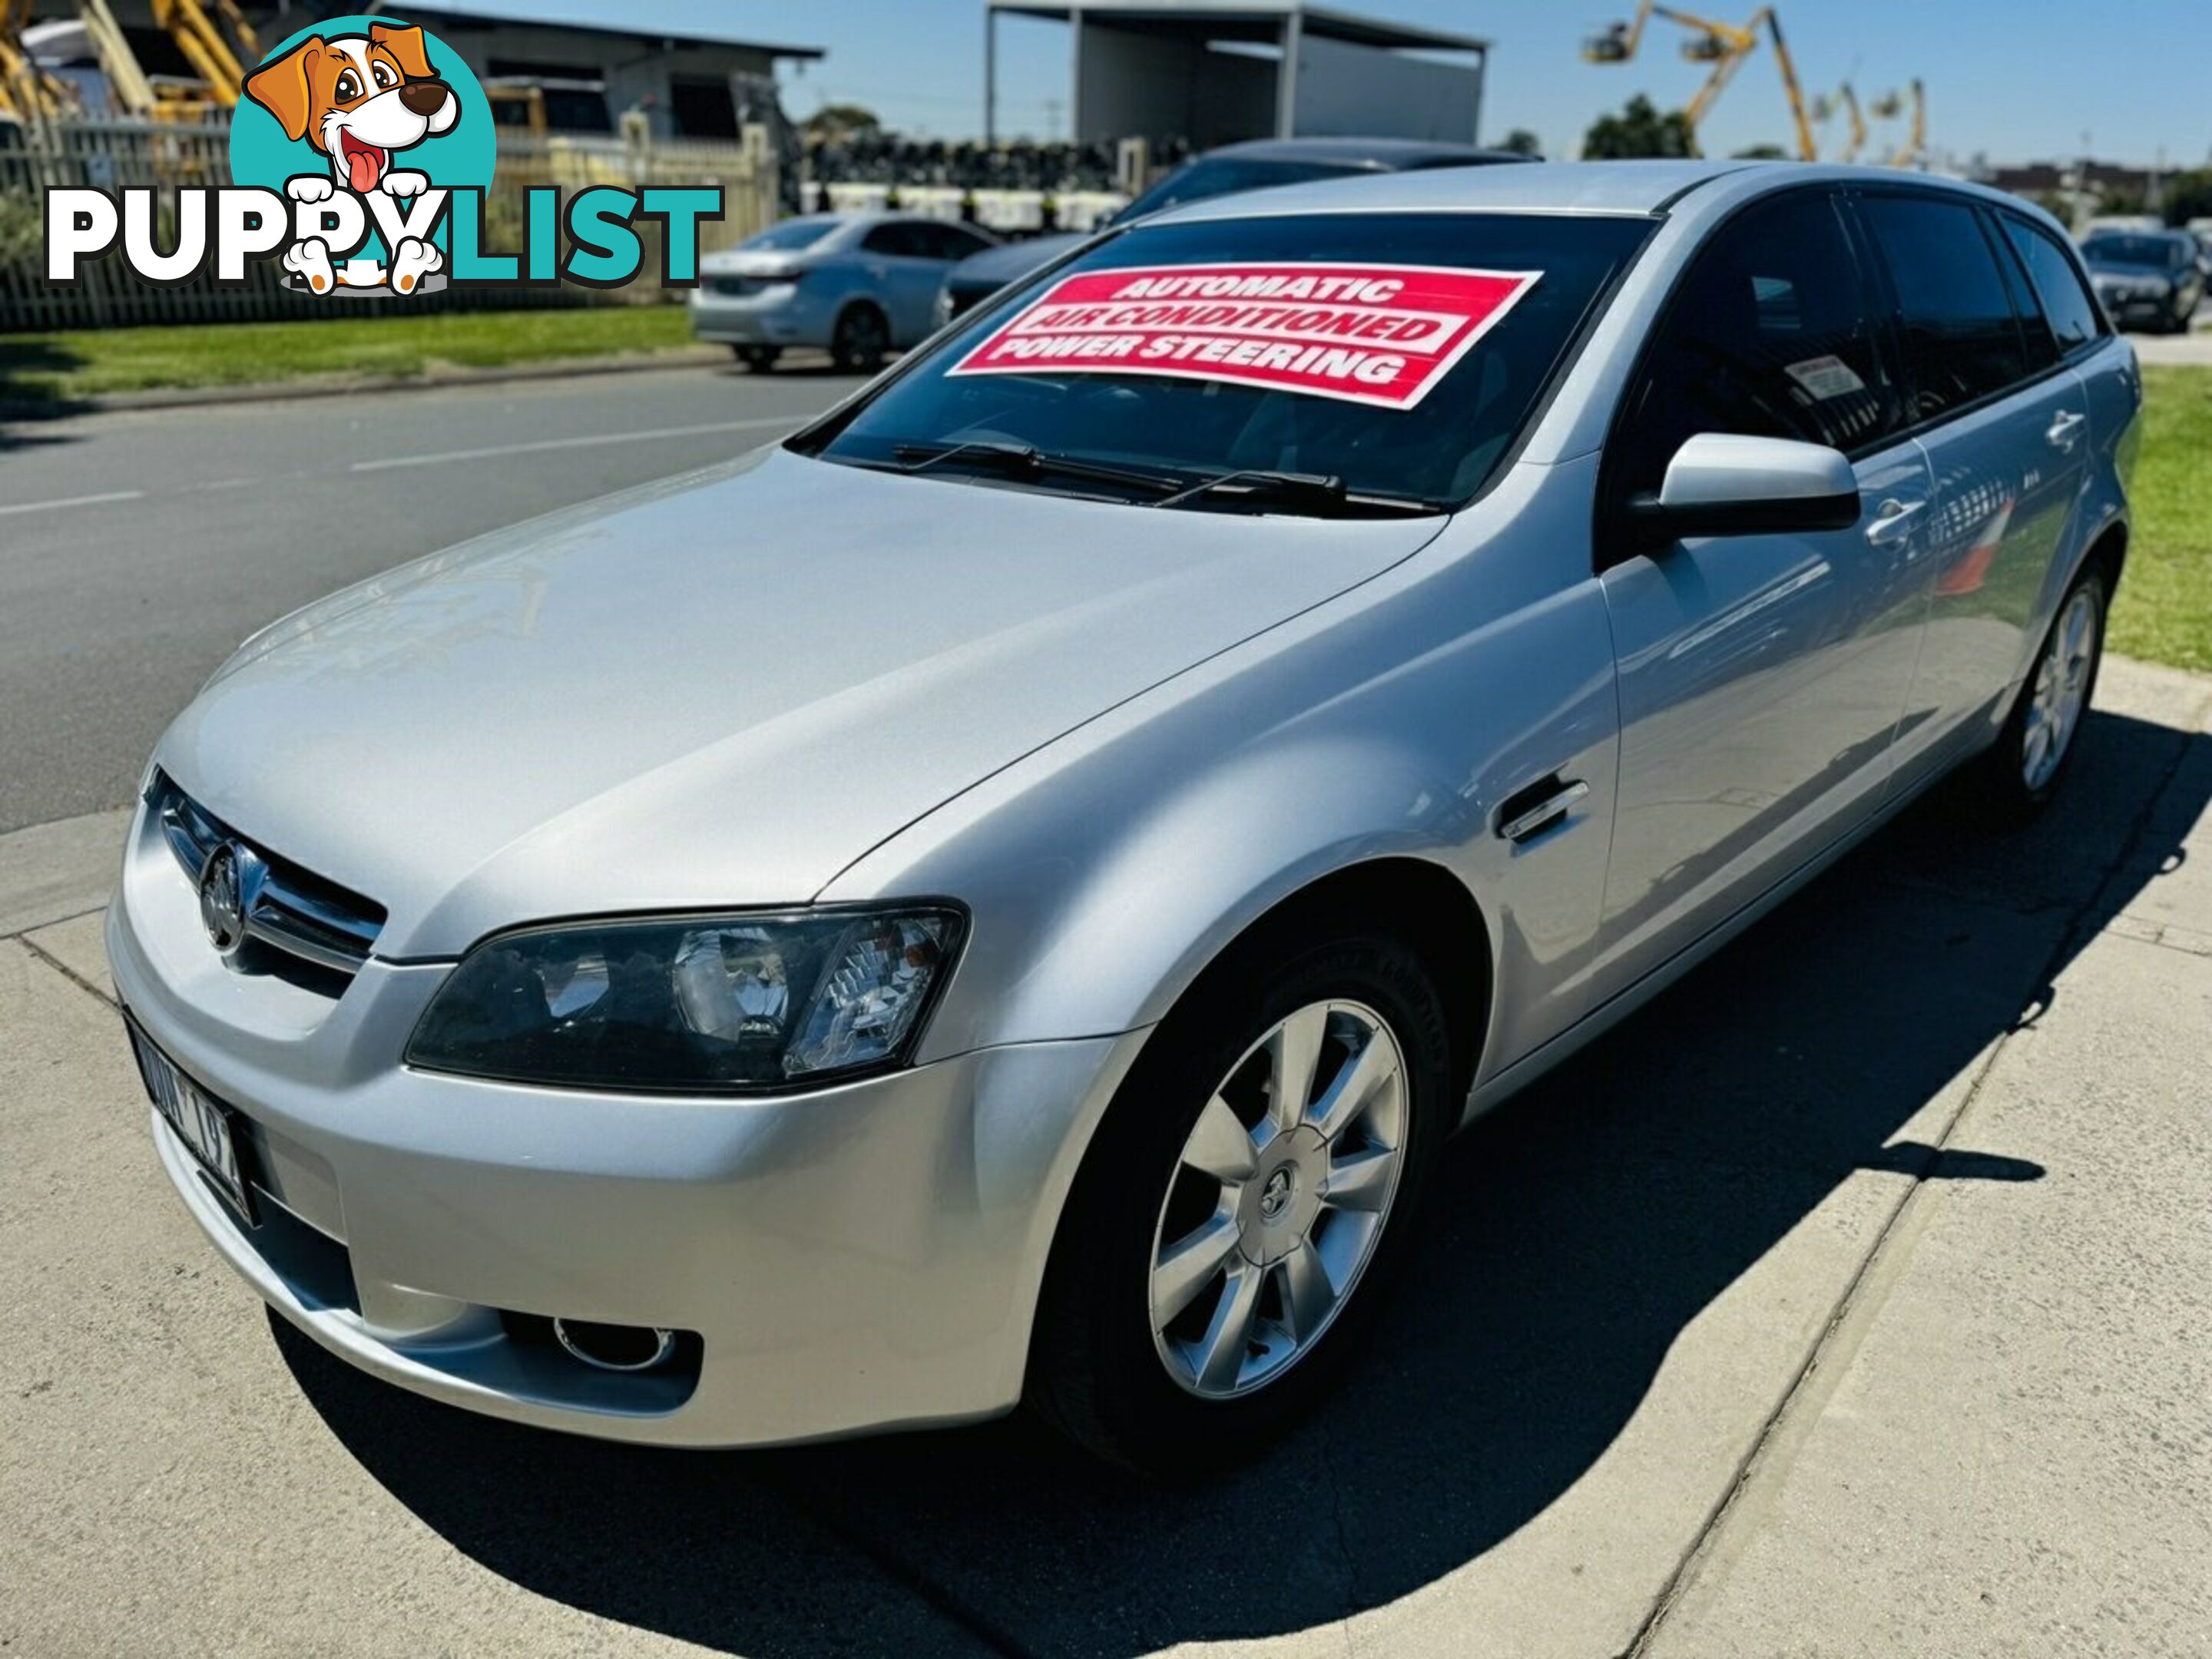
(1368, 334)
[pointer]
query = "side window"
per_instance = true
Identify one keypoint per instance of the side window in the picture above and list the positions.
(930, 242)
(894, 241)
(2036, 338)
(1961, 341)
(2066, 303)
(954, 243)
(1772, 334)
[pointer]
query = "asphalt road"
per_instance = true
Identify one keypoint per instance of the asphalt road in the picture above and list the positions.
(136, 549)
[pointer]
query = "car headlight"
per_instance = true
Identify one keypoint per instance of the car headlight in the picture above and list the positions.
(708, 1004)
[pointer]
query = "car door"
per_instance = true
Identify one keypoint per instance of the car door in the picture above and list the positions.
(2006, 428)
(903, 276)
(1761, 677)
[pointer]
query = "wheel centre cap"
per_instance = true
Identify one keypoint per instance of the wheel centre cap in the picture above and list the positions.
(1280, 1200)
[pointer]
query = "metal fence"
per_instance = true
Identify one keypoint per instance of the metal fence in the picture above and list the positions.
(170, 157)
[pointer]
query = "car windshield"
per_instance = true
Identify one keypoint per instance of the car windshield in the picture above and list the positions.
(2157, 251)
(1224, 176)
(1383, 355)
(790, 234)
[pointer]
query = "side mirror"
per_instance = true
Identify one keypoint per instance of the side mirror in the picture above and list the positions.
(1720, 484)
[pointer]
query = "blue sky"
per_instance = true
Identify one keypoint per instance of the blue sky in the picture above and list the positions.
(2014, 79)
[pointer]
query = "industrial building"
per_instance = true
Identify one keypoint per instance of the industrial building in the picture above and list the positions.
(1210, 73)
(566, 65)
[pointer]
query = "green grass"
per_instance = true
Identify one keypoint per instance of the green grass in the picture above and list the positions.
(62, 366)
(2164, 608)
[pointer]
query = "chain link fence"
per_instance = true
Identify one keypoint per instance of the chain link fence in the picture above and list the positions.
(172, 157)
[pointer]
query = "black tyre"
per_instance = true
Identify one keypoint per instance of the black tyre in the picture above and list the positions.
(2034, 754)
(862, 339)
(760, 359)
(1233, 1229)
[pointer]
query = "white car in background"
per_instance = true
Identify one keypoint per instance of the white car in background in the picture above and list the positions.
(859, 285)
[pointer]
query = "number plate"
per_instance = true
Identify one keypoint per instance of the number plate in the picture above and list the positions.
(205, 1124)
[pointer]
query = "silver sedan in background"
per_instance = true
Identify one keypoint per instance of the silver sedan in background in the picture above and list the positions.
(859, 285)
(1002, 896)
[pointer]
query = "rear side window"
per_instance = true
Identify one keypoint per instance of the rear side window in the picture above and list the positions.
(2040, 344)
(951, 242)
(1770, 335)
(1960, 338)
(895, 241)
(2066, 303)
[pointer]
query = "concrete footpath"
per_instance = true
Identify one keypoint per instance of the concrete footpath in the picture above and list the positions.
(1854, 1299)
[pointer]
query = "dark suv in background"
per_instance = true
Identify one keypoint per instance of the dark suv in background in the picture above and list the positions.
(1257, 165)
(2149, 279)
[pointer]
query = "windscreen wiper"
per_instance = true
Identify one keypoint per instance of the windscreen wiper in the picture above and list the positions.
(1027, 460)
(1258, 486)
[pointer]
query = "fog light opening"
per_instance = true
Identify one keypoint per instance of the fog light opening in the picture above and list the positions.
(614, 1347)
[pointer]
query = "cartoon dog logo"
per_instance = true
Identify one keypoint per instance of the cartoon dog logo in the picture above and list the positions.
(359, 98)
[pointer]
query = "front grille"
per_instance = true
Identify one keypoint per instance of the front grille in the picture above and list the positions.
(738, 288)
(288, 908)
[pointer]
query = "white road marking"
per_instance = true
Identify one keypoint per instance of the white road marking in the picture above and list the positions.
(74, 501)
(783, 422)
(590, 441)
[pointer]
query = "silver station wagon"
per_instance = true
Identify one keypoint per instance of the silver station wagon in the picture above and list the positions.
(1001, 897)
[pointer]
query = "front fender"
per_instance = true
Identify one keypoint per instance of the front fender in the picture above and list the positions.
(1105, 870)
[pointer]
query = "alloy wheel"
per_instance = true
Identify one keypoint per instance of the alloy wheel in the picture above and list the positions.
(865, 338)
(1279, 1199)
(2060, 689)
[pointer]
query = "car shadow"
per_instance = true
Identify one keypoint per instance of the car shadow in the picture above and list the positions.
(797, 364)
(1574, 1235)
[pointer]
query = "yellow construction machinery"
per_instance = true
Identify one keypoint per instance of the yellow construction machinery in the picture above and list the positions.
(29, 92)
(215, 39)
(218, 58)
(1914, 144)
(1847, 98)
(128, 88)
(1724, 45)
(1721, 45)
(1807, 150)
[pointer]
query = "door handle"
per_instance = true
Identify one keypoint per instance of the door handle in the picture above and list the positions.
(1892, 522)
(2065, 429)
(1550, 804)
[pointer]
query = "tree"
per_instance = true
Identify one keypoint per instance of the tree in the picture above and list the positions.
(1638, 131)
(836, 122)
(1521, 142)
(2189, 196)
(1763, 153)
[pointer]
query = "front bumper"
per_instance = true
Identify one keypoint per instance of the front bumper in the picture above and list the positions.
(862, 1257)
(2139, 308)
